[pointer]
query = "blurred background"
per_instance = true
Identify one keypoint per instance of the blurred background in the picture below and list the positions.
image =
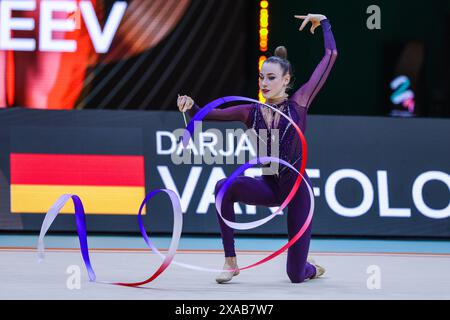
(208, 49)
(110, 72)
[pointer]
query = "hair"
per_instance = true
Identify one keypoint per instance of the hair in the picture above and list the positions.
(280, 57)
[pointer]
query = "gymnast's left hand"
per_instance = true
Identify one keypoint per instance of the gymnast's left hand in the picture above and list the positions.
(313, 18)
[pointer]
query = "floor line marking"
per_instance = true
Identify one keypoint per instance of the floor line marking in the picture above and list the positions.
(252, 252)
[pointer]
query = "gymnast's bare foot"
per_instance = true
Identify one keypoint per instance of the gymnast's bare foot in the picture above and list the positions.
(230, 263)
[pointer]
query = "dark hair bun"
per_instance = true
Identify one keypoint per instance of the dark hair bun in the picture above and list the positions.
(281, 52)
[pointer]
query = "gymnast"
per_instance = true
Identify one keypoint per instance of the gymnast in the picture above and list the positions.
(270, 190)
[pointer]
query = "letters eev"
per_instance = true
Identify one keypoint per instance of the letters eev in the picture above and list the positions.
(48, 24)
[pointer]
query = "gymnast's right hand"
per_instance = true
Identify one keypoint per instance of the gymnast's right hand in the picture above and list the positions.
(184, 103)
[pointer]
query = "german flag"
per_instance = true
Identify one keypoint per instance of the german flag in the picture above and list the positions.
(107, 184)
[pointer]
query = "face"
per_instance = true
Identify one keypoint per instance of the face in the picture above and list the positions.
(272, 82)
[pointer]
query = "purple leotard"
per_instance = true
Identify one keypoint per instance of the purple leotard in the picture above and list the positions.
(271, 190)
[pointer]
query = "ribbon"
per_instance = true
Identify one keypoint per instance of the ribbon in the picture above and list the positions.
(199, 116)
(82, 233)
(178, 216)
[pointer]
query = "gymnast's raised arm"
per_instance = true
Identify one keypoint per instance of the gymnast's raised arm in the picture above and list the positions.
(306, 94)
(235, 113)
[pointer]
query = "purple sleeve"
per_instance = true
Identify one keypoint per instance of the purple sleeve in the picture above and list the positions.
(306, 94)
(236, 113)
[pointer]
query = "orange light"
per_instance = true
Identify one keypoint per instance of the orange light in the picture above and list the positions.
(261, 61)
(261, 98)
(263, 38)
(264, 32)
(264, 26)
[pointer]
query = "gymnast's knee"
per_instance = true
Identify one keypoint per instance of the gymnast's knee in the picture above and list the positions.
(295, 278)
